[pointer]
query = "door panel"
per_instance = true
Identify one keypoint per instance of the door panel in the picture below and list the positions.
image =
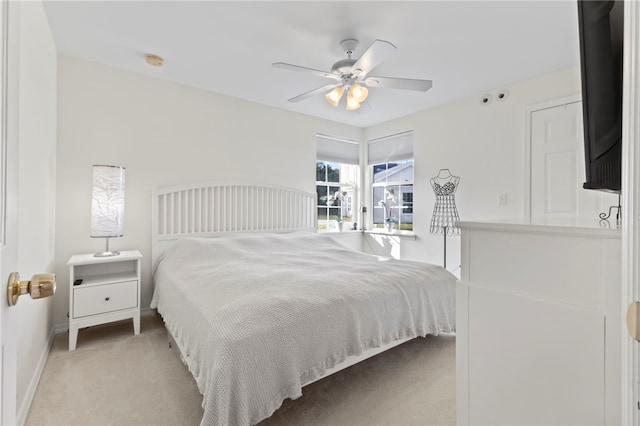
(561, 192)
(557, 166)
(556, 151)
(9, 122)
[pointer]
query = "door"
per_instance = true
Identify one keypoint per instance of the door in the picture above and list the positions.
(8, 202)
(631, 208)
(558, 168)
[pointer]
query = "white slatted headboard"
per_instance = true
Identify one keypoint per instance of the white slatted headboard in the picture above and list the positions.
(209, 209)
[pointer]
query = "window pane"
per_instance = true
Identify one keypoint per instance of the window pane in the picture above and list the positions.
(394, 202)
(334, 196)
(333, 172)
(407, 172)
(379, 173)
(409, 168)
(334, 213)
(378, 209)
(322, 195)
(337, 186)
(322, 218)
(321, 172)
(407, 207)
(346, 202)
(400, 172)
(407, 199)
(391, 199)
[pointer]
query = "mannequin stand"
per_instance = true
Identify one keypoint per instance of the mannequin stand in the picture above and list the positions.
(445, 247)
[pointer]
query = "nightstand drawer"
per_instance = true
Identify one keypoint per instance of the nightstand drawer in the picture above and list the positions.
(104, 298)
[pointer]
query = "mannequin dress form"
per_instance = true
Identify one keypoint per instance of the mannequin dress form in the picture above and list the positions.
(445, 213)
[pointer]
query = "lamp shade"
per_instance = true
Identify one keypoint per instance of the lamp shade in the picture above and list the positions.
(352, 103)
(358, 92)
(107, 202)
(334, 96)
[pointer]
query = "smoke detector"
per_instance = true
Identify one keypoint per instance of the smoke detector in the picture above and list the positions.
(154, 60)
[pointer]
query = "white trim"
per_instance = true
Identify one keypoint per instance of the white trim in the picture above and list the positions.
(148, 312)
(387, 137)
(23, 411)
(338, 139)
(630, 206)
(528, 112)
(4, 106)
(61, 328)
(396, 233)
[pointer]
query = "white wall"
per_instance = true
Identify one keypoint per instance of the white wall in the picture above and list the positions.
(164, 133)
(484, 145)
(37, 160)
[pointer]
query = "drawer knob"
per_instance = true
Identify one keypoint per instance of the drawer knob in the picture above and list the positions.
(106, 299)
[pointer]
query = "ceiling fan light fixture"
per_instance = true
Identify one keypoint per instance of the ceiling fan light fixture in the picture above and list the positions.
(334, 96)
(352, 103)
(358, 92)
(348, 73)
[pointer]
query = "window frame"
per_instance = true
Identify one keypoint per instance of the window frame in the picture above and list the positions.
(351, 198)
(397, 222)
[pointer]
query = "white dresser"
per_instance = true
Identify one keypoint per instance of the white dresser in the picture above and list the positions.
(539, 324)
(103, 289)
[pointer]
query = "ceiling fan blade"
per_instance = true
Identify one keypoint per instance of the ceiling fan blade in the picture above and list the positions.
(291, 67)
(372, 57)
(310, 93)
(399, 83)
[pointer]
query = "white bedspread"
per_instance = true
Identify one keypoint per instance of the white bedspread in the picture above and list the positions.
(258, 316)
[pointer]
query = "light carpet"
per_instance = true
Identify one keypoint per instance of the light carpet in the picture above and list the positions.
(116, 378)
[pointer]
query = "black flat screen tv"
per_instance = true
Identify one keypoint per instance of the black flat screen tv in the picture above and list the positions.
(601, 34)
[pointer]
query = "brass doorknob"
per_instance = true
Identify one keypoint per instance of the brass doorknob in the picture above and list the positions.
(40, 285)
(633, 320)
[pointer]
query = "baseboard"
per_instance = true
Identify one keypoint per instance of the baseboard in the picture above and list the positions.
(61, 328)
(148, 312)
(23, 411)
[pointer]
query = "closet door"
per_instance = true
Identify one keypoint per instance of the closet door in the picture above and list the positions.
(558, 166)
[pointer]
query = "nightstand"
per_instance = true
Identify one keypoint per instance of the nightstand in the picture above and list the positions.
(106, 289)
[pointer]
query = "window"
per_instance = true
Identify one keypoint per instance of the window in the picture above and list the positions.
(336, 189)
(336, 195)
(392, 195)
(337, 177)
(407, 203)
(391, 180)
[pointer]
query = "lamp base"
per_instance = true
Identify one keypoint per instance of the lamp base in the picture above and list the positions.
(106, 254)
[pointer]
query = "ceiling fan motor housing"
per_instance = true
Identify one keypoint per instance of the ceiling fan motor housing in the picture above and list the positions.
(349, 46)
(343, 67)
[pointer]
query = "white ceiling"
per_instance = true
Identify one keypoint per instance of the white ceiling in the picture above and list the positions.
(465, 47)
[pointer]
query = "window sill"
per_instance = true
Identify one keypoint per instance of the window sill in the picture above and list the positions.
(332, 232)
(394, 233)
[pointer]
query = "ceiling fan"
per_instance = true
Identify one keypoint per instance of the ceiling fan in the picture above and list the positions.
(351, 75)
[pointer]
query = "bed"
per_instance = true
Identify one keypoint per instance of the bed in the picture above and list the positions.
(260, 305)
